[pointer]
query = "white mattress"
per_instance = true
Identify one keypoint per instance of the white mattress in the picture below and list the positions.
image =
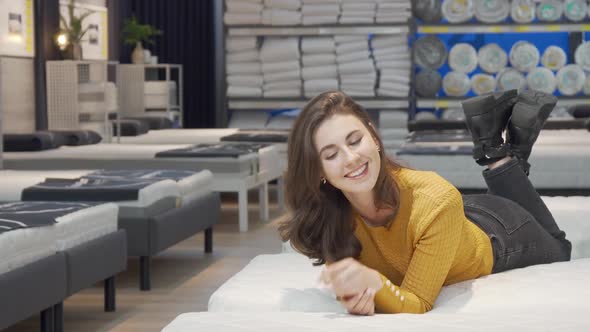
(288, 282)
(130, 154)
(553, 166)
(14, 182)
(322, 322)
(518, 300)
(180, 136)
(23, 246)
(196, 136)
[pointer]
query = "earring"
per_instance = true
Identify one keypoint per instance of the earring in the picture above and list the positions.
(378, 148)
(323, 180)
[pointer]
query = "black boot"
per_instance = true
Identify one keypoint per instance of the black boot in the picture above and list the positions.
(486, 118)
(528, 117)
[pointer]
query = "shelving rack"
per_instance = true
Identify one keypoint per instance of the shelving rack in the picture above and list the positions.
(239, 103)
(574, 29)
(132, 90)
(64, 104)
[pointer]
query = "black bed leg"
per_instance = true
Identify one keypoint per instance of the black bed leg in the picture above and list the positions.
(144, 273)
(47, 320)
(109, 294)
(58, 316)
(209, 240)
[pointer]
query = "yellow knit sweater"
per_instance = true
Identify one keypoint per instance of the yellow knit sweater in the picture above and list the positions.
(429, 244)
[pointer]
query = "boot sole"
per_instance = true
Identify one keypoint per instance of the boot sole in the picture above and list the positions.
(477, 106)
(545, 103)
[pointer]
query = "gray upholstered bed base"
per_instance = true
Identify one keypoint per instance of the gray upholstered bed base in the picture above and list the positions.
(33, 288)
(146, 238)
(41, 286)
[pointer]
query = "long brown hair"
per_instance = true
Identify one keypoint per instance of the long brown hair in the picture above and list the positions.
(319, 222)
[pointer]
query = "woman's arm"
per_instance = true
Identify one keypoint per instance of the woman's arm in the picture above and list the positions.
(434, 252)
(431, 261)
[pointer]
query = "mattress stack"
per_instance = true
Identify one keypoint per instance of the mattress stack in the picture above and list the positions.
(243, 12)
(392, 59)
(159, 94)
(281, 67)
(358, 12)
(91, 97)
(355, 65)
(320, 12)
(393, 128)
(393, 11)
(243, 68)
(320, 72)
(281, 12)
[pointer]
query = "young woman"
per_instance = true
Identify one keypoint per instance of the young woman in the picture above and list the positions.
(393, 236)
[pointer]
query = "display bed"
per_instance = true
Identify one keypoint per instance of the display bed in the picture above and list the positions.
(33, 277)
(164, 213)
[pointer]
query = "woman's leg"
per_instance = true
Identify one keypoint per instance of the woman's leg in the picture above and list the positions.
(518, 240)
(509, 181)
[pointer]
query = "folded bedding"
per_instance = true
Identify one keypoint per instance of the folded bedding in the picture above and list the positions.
(18, 215)
(78, 137)
(38, 141)
(285, 4)
(86, 189)
(319, 59)
(153, 122)
(315, 45)
(316, 20)
(131, 127)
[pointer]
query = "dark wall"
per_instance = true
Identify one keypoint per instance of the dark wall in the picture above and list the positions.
(189, 30)
(46, 17)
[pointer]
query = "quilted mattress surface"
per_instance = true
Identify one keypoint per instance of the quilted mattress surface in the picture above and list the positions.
(280, 291)
(322, 322)
(23, 246)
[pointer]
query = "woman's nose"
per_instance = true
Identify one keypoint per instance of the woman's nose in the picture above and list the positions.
(350, 154)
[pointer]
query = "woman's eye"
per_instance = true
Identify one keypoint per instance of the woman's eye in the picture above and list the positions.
(332, 156)
(356, 142)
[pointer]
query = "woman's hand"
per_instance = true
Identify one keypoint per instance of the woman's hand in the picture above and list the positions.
(354, 283)
(361, 304)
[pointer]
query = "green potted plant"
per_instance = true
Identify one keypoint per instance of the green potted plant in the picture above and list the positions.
(135, 33)
(72, 31)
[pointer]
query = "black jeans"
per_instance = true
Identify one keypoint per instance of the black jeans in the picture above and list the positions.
(521, 228)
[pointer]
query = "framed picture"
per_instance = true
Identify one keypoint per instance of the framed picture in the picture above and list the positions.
(95, 41)
(17, 35)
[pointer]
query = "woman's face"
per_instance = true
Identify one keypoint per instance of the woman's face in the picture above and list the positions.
(348, 154)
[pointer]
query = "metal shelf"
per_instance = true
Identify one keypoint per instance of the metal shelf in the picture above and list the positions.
(369, 103)
(456, 102)
(497, 28)
(317, 30)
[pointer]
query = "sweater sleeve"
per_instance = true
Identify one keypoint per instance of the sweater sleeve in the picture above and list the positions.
(434, 251)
